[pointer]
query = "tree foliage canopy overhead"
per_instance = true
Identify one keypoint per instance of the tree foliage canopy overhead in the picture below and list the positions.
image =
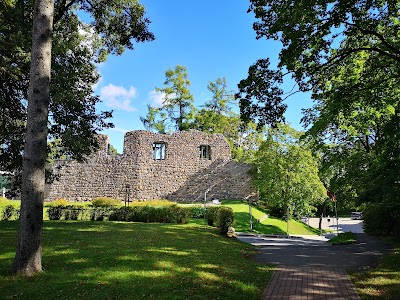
(77, 47)
(317, 36)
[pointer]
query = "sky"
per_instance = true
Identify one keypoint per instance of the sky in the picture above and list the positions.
(211, 38)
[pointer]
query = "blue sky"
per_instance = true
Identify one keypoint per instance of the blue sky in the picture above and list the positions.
(212, 38)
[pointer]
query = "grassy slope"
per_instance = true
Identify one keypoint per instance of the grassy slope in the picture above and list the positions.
(383, 281)
(110, 260)
(270, 225)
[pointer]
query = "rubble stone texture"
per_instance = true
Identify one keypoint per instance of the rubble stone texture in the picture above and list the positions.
(193, 163)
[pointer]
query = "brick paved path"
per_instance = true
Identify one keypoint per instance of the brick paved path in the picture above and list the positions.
(305, 283)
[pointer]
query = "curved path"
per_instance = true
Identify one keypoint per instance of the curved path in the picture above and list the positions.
(310, 268)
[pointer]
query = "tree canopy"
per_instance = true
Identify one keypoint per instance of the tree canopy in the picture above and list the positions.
(177, 110)
(77, 47)
(347, 54)
(316, 37)
(286, 173)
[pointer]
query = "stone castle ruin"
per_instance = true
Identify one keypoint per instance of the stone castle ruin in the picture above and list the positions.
(180, 167)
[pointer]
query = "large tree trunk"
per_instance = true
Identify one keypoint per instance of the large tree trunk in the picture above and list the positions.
(28, 257)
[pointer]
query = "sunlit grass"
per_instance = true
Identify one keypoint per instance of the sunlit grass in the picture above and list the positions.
(382, 282)
(344, 238)
(268, 225)
(111, 260)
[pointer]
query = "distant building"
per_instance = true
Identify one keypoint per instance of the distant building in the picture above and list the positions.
(180, 167)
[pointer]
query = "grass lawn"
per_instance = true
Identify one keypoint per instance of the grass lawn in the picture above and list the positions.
(382, 282)
(112, 260)
(344, 238)
(269, 225)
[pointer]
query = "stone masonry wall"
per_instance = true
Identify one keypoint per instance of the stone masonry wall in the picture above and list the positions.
(183, 176)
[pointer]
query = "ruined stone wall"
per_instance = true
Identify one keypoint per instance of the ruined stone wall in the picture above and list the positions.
(183, 175)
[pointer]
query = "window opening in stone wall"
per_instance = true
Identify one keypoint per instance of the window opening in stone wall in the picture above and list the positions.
(205, 152)
(159, 150)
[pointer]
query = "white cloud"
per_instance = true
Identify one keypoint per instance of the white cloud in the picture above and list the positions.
(118, 97)
(119, 129)
(98, 83)
(157, 98)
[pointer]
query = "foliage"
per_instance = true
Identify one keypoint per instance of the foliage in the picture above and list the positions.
(382, 219)
(262, 87)
(156, 203)
(77, 47)
(286, 173)
(55, 212)
(136, 261)
(58, 202)
(196, 212)
(113, 150)
(177, 110)
(8, 212)
(225, 219)
(316, 38)
(105, 202)
(212, 215)
(347, 56)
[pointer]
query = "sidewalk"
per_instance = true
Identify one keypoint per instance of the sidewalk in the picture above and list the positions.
(293, 282)
(307, 267)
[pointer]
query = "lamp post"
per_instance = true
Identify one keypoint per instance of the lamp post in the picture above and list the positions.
(205, 207)
(127, 193)
(287, 220)
(251, 214)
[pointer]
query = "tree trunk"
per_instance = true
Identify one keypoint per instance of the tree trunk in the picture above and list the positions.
(28, 257)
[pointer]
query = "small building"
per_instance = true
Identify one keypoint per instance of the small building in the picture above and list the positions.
(179, 167)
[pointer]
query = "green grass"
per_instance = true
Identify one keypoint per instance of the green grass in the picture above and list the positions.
(382, 282)
(270, 225)
(344, 238)
(111, 260)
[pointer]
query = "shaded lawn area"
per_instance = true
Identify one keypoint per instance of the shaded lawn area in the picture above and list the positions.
(112, 260)
(383, 281)
(269, 225)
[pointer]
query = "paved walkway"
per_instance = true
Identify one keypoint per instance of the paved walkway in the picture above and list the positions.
(311, 268)
(304, 283)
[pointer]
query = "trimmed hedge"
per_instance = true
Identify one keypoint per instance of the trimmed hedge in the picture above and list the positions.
(221, 217)
(211, 215)
(9, 212)
(151, 214)
(197, 212)
(146, 214)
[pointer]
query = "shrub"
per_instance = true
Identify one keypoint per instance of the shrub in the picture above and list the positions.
(100, 213)
(72, 212)
(196, 212)
(55, 212)
(181, 215)
(211, 215)
(118, 214)
(59, 202)
(105, 202)
(153, 203)
(8, 212)
(225, 218)
(277, 212)
(382, 219)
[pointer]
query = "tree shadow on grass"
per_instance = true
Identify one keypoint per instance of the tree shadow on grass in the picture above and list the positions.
(107, 260)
